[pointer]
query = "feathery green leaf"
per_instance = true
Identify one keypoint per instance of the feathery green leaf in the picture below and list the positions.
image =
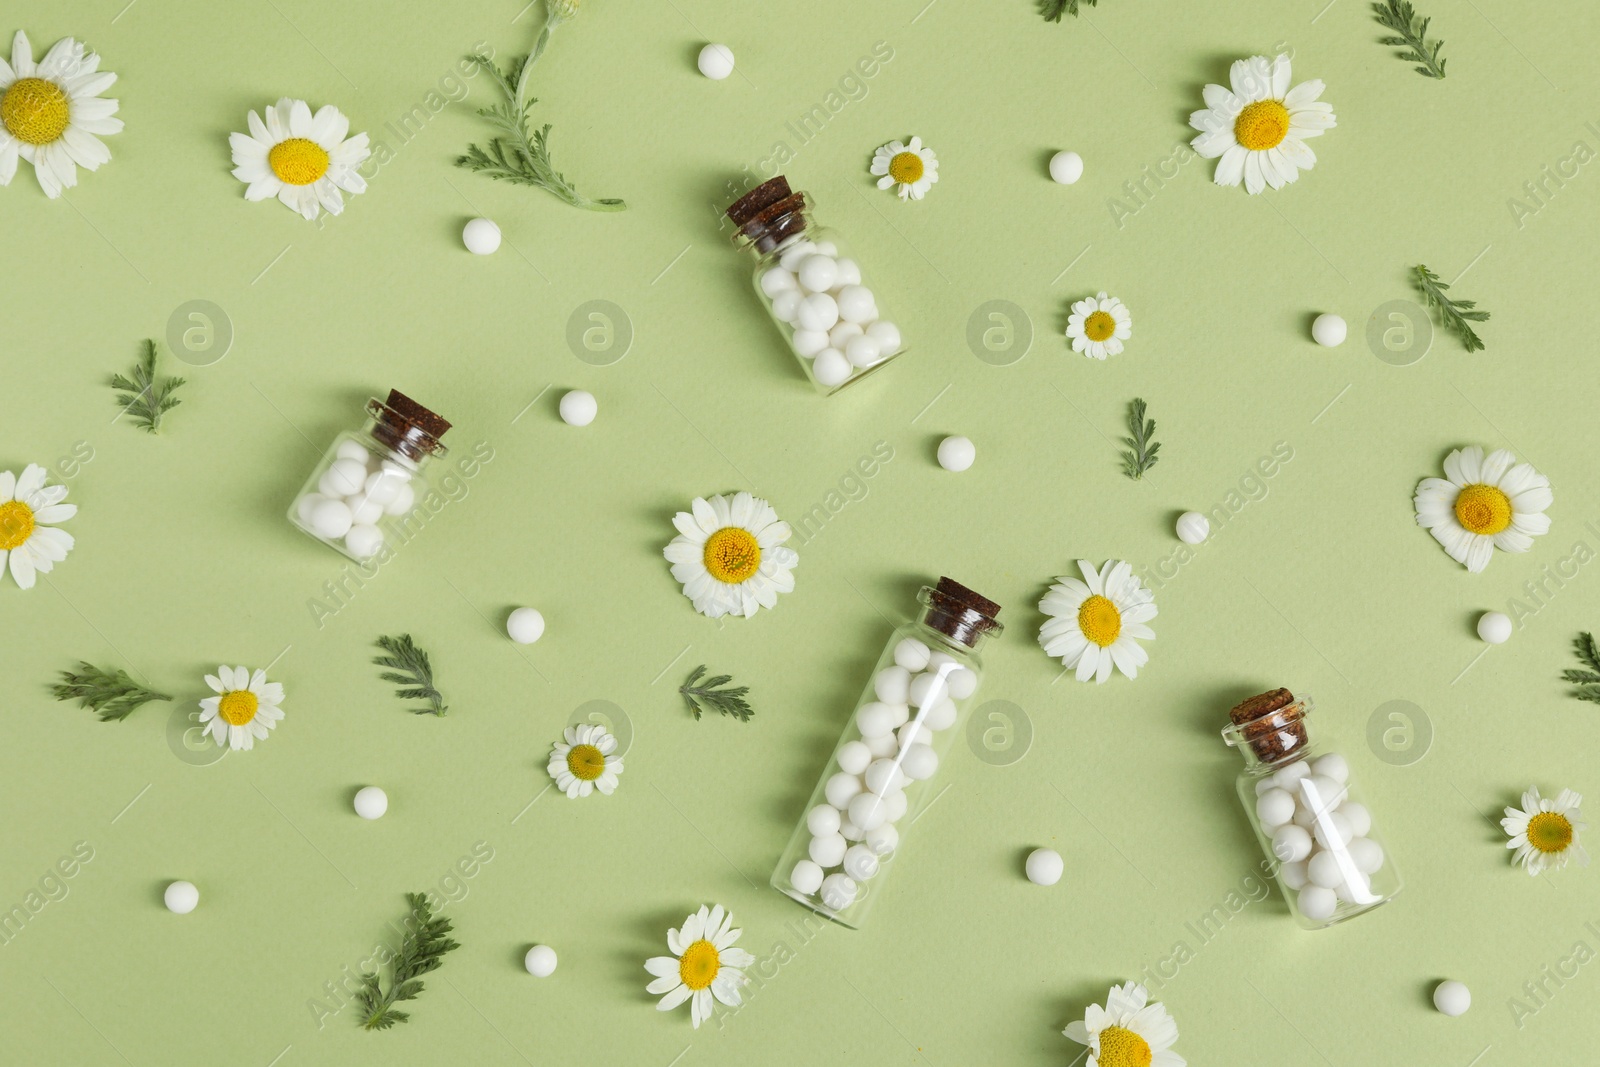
(1410, 35)
(148, 398)
(421, 951)
(112, 694)
(1456, 314)
(1140, 455)
(412, 671)
(707, 694)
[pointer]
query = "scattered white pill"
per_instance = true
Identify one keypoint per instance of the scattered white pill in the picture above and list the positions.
(863, 352)
(364, 539)
(1274, 808)
(838, 891)
(841, 788)
(578, 408)
(911, 654)
(818, 273)
(481, 236)
(777, 280)
(806, 877)
(827, 849)
(1452, 998)
(525, 625)
(887, 334)
(540, 961)
(883, 840)
(1044, 866)
(1317, 902)
(1193, 528)
(1494, 627)
(957, 453)
(1332, 766)
(819, 311)
(1290, 843)
(181, 897)
(823, 819)
(1328, 330)
(330, 519)
(861, 863)
(371, 802)
(715, 61)
(831, 367)
(1066, 167)
(920, 762)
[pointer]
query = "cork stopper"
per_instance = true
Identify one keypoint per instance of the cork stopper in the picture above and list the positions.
(1270, 724)
(406, 427)
(769, 214)
(959, 613)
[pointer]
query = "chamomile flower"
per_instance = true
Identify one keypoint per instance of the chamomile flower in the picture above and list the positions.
(1098, 325)
(300, 158)
(1096, 624)
(1544, 831)
(28, 543)
(1130, 1031)
(52, 114)
(910, 169)
(729, 555)
(1484, 504)
(244, 709)
(703, 965)
(1260, 126)
(585, 760)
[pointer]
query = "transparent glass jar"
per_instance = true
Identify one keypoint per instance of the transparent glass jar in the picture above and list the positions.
(1309, 819)
(367, 482)
(813, 288)
(882, 770)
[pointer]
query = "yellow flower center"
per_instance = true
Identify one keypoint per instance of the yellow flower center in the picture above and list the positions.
(1262, 125)
(35, 111)
(1123, 1048)
(1550, 831)
(732, 554)
(1100, 621)
(906, 168)
(586, 762)
(1099, 326)
(699, 965)
(237, 707)
(298, 161)
(16, 524)
(1483, 509)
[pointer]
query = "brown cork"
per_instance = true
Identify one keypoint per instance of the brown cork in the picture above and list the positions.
(769, 214)
(1271, 724)
(404, 426)
(959, 613)
(433, 425)
(758, 199)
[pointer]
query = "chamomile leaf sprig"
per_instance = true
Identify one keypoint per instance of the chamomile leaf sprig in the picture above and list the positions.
(112, 695)
(1410, 36)
(421, 952)
(716, 695)
(1457, 315)
(1052, 10)
(144, 396)
(410, 668)
(1142, 451)
(1587, 680)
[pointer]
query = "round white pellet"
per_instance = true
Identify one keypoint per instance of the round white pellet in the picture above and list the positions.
(863, 352)
(1328, 330)
(875, 719)
(363, 539)
(823, 819)
(303, 507)
(850, 831)
(791, 257)
(887, 334)
(927, 687)
(892, 684)
(883, 776)
(1320, 793)
(330, 519)
(1274, 808)
(715, 61)
(912, 733)
(920, 762)
(963, 682)
(840, 788)
(940, 716)
(896, 802)
(882, 746)
(1356, 889)
(1044, 866)
(843, 333)
(402, 501)
(1287, 776)
(838, 891)
(828, 248)
(1323, 869)
(809, 342)
(806, 877)
(786, 305)
(1332, 831)
(353, 450)
(883, 840)
(902, 713)
(819, 311)
(854, 757)
(1290, 843)
(1452, 998)
(827, 849)
(1495, 628)
(911, 654)
(957, 453)
(1358, 816)
(481, 237)
(1317, 903)
(1193, 527)
(371, 802)
(363, 510)
(578, 408)
(849, 273)
(777, 280)
(1066, 167)
(381, 487)
(831, 368)
(856, 303)
(344, 477)
(1366, 853)
(181, 897)
(540, 961)
(1265, 784)
(1304, 816)
(1332, 766)
(525, 625)
(818, 273)
(1294, 874)
(860, 863)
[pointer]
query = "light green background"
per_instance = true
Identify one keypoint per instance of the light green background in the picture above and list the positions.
(184, 559)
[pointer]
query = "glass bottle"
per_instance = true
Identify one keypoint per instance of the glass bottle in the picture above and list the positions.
(1309, 820)
(367, 482)
(813, 288)
(883, 767)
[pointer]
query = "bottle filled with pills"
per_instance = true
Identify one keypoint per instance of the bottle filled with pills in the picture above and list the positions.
(364, 488)
(813, 288)
(1307, 815)
(884, 767)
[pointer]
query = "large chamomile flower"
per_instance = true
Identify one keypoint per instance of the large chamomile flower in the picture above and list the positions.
(27, 542)
(1260, 126)
(300, 158)
(52, 115)
(729, 555)
(244, 709)
(1098, 325)
(1544, 831)
(1096, 624)
(704, 964)
(584, 760)
(1484, 504)
(910, 169)
(1130, 1031)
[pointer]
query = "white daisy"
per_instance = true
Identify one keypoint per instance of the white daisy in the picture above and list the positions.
(729, 555)
(52, 114)
(1545, 832)
(1130, 1031)
(703, 965)
(1094, 623)
(1260, 126)
(1098, 325)
(584, 761)
(910, 168)
(244, 709)
(27, 543)
(1484, 504)
(300, 158)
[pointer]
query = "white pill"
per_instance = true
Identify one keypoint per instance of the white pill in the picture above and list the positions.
(892, 684)
(381, 486)
(913, 733)
(850, 831)
(363, 540)
(1044, 866)
(849, 273)
(1332, 766)
(1066, 167)
(1317, 903)
(1323, 869)
(353, 450)
(806, 877)
(399, 470)
(1274, 808)
(882, 776)
(402, 501)
(777, 280)
(842, 334)
(818, 273)
(1321, 793)
(578, 408)
(957, 453)
(962, 682)
(911, 654)
(902, 713)
(882, 746)
(303, 507)
(827, 849)
(344, 477)
(887, 334)
(1288, 775)
(1495, 628)
(786, 305)
(875, 719)
(540, 961)
(823, 819)
(1332, 831)
(1452, 998)
(828, 248)
(926, 688)
(1366, 853)
(481, 236)
(860, 863)
(897, 803)
(940, 716)
(856, 304)
(818, 311)
(1294, 874)
(1328, 330)
(330, 519)
(1265, 784)
(838, 891)
(883, 840)
(831, 368)
(920, 762)
(363, 510)
(181, 897)
(715, 61)
(1358, 816)
(853, 757)
(863, 352)
(1304, 816)
(371, 802)
(793, 255)
(1290, 843)
(809, 342)
(1356, 889)
(1193, 528)
(840, 788)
